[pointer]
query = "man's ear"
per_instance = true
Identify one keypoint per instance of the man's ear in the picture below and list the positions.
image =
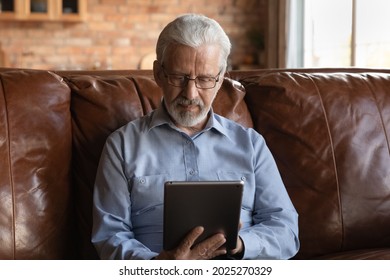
(157, 72)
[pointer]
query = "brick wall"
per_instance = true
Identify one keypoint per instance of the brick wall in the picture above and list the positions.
(118, 33)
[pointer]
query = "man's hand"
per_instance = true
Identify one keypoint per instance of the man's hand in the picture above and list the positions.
(239, 249)
(240, 245)
(205, 250)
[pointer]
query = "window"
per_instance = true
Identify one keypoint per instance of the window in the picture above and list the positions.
(340, 33)
(372, 43)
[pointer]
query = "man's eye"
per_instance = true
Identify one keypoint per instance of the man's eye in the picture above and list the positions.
(178, 78)
(205, 79)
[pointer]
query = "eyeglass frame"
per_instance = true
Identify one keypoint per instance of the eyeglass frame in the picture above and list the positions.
(187, 79)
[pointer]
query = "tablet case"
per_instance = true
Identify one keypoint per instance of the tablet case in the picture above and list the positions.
(215, 205)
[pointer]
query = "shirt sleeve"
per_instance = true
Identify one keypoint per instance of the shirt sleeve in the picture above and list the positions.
(274, 230)
(112, 232)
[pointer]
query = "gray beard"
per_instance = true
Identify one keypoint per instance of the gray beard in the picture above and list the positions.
(185, 118)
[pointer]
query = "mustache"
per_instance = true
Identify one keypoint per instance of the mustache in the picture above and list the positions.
(188, 102)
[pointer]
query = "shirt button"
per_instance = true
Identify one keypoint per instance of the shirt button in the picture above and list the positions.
(243, 178)
(142, 180)
(192, 172)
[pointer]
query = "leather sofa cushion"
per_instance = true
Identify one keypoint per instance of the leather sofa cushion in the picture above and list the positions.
(329, 134)
(230, 103)
(35, 151)
(100, 105)
(364, 254)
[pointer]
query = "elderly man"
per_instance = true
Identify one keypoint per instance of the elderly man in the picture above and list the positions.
(184, 140)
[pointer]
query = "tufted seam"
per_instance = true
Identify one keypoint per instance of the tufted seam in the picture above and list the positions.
(7, 137)
(372, 91)
(309, 76)
(142, 103)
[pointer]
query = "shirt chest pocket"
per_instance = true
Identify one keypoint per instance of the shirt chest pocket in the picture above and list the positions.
(235, 176)
(147, 193)
(249, 186)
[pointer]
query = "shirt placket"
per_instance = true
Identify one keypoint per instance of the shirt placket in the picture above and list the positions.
(190, 160)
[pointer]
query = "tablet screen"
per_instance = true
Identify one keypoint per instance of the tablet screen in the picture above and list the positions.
(215, 205)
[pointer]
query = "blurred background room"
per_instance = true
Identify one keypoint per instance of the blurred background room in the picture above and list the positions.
(121, 34)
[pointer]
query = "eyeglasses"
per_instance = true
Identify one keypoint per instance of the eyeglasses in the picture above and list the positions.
(201, 82)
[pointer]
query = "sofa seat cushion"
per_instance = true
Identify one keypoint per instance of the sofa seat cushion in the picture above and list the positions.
(368, 254)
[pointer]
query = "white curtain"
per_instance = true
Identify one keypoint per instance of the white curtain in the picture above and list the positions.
(294, 33)
(285, 34)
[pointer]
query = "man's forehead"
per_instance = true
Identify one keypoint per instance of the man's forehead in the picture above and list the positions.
(205, 56)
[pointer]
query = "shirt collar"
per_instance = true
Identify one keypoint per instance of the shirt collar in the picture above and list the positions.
(160, 117)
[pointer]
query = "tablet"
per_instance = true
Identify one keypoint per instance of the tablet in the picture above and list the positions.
(215, 205)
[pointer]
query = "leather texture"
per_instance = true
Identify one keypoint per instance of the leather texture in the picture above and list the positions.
(329, 134)
(328, 130)
(35, 166)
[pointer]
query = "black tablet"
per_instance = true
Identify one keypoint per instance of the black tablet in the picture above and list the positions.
(215, 205)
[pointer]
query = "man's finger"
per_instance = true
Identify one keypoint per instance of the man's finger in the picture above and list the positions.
(191, 237)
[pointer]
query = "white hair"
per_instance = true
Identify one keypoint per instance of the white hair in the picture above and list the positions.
(194, 30)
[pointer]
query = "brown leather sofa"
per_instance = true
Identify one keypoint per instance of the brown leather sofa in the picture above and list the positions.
(328, 130)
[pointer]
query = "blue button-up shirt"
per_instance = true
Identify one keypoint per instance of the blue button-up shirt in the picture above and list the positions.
(139, 157)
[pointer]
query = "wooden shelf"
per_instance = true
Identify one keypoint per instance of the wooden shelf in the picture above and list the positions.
(43, 10)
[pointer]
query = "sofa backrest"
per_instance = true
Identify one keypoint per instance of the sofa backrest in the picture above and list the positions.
(35, 176)
(329, 133)
(328, 130)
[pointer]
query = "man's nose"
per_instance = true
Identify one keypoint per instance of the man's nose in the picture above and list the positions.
(191, 91)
